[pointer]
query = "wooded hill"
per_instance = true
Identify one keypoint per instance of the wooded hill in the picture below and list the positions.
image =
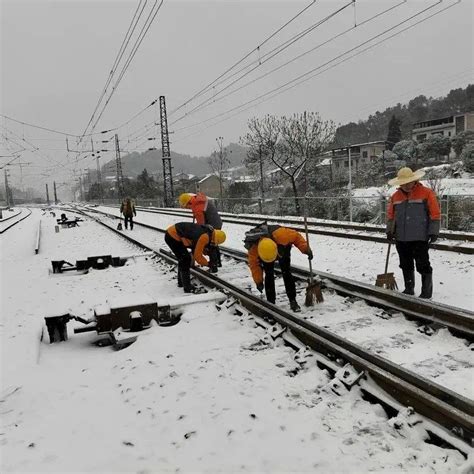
(418, 109)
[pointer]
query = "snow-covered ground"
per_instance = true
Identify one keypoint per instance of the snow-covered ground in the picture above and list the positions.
(359, 260)
(202, 396)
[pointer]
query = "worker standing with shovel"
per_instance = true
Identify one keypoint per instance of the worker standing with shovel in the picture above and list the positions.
(413, 223)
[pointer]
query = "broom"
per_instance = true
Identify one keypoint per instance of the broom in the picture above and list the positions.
(387, 280)
(313, 290)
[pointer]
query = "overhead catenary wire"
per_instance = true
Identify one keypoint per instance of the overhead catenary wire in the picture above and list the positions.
(256, 49)
(146, 26)
(213, 100)
(123, 46)
(295, 82)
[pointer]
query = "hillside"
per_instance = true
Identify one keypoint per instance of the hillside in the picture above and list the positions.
(134, 163)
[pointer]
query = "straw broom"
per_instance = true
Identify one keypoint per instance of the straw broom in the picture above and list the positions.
(313, 290)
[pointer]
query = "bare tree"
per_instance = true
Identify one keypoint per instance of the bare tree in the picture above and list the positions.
(218, 162)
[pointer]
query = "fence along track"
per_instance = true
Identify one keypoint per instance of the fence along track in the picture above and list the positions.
(295, 224)
(437, 403)
(458, 320)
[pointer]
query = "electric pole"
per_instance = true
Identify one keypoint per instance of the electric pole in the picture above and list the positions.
(47, 194)
(165, 152)
(118, 162)
(99, 179)
(7, 191)
(55, 193)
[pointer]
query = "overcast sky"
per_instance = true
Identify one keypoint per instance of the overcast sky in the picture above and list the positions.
(56, 57)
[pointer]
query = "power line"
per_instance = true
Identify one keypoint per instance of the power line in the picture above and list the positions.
(277, 91)
(208, 86)
(213, 99)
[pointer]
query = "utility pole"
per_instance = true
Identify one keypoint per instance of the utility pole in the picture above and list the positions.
(350, 185)
(99, 179)
(81, 194)
(118, 162)
(55, 193)
(47, 194)
(262, 183)
(7, 190)
(166, 155)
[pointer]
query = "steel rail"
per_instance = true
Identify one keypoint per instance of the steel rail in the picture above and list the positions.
(437, 403)
(16, 222)
(363, 227)
(297, 225)
(459, 320)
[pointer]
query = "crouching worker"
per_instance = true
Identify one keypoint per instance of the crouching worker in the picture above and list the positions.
(200, 239)
(413, 223)
(204, 212)
(267, 243)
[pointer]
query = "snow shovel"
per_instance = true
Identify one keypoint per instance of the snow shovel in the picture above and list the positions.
(313, 290)
(387, 280)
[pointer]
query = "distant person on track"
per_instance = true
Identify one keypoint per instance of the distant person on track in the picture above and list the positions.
(204, 212)
(267, 243)
(413, 222)
(128, 210)
(200, 239)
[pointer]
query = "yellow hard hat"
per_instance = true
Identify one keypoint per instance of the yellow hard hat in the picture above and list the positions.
(218, 237)
(184, 199)
(267, 250)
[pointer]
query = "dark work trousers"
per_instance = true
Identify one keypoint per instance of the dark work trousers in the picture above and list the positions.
(284, 260)
(184, 261)
(415, 252)
(128, 219)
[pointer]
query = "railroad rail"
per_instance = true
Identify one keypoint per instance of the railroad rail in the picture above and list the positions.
(298, 225)
(439, 404)
(458, 320)
(11, 224)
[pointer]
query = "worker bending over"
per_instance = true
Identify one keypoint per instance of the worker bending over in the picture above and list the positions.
(204, 212)
(200, 239)
(267, 243)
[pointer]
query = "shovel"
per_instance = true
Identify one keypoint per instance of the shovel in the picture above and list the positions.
(387, 280)
(313, 290)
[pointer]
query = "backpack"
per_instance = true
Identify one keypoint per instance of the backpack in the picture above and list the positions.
(254, 235)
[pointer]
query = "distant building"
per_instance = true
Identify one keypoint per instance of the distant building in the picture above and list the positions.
(446, 126)
(361, 156)
(209, 185)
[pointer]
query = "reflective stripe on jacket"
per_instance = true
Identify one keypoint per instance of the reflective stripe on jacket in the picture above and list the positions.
(416, 215)
(193, 236)
(283, 237)
(205, 211)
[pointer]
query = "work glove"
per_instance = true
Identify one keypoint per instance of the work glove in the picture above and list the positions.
(309, 253)
(260, 287)
(390, 236)
(432, 239)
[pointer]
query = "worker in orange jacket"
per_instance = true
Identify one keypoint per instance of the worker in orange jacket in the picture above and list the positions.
(275, 243)
(413, 222)
(200, 239)
(204, 212)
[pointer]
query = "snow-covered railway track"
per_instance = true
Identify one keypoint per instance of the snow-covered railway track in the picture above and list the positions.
(347, 231)
(11, 221)
(401, 379)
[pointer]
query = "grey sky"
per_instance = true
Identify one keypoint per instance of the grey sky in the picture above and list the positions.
(56, 55)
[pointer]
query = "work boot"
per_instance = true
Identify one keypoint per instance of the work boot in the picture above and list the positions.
(295, 306)
(409, 277)
(426, 285)
(186, 281)
(180, 280)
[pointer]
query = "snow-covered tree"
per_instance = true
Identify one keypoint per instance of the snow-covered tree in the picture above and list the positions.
(467, 157)
(433, 147)
(405, 150)
(459, 141)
